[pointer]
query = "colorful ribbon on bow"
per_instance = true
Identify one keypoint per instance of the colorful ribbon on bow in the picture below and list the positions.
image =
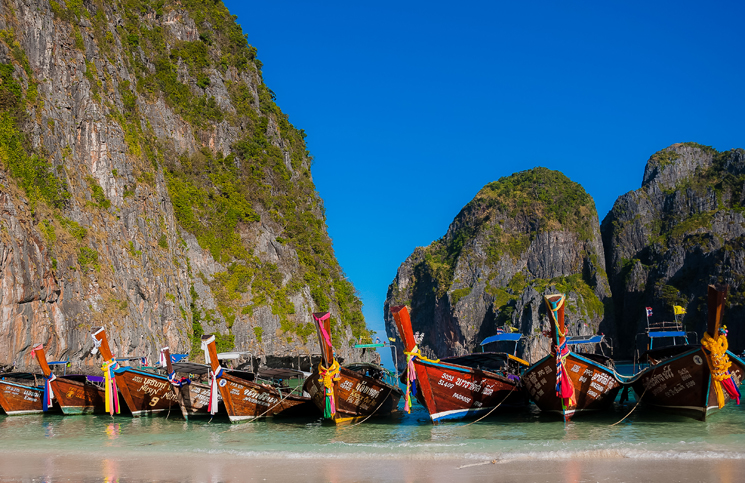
(213, 376)
(328, 376)
(112, 395)
(176, 382)
(719, 365)
(214, 390)
(564, 386)
(410, 377)
(48, 393)
(325, 334)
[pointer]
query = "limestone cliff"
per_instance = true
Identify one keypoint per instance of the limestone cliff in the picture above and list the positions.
(150, 184)
(533, 233)
(682, 230)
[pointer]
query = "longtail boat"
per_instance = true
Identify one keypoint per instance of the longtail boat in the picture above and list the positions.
(75, 393)
(244, 398)
(193, 397)
(144, 392)
(690, 379)
(18, 396)
(566, 382)
(458, 387)
(348, 393)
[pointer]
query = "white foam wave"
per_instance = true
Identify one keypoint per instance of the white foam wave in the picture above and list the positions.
(502, 457)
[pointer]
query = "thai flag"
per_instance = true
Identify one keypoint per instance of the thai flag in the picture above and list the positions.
(649, 311)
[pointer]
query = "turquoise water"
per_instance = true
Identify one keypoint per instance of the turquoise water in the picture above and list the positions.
(516, 435)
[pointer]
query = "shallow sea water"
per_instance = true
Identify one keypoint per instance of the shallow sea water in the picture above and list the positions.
(521, 434)
(123, 447)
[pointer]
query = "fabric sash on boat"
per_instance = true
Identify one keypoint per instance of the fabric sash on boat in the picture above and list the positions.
(328, 376)
(48, 393)
(176, 382)
(719, 364)
(564, 386)
(111, 395)
(411, 375)
(214, 376)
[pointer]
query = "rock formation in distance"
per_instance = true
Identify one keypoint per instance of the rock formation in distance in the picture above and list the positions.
(682, 230)
(532, 233)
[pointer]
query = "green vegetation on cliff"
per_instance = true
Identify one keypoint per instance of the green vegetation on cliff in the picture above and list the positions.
(541, 199)
(219, 197)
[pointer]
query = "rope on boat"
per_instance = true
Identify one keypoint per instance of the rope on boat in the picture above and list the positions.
(492, 409)
(637, 401)
(262, 414)
(376, 409)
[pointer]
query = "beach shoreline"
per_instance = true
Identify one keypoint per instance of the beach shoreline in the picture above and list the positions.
(224, 467)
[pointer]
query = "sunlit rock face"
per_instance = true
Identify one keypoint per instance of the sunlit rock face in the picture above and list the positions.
(522, 237)
(151, 185)
(682, 230)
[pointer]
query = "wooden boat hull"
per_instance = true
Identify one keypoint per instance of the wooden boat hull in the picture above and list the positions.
(246, 400)
(452, 391)
(194, 400)
(357, 396)
(595, 385)
(17, 399)
(683, 384)
(76, 397)
(145, 393)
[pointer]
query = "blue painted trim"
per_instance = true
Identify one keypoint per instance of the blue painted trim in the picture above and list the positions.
(148, 374)
(22, 386)
(464, 413)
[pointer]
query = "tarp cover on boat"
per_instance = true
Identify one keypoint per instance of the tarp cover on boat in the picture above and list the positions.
(502, 338)
(190, 368)
(667, 333)
(584, 339)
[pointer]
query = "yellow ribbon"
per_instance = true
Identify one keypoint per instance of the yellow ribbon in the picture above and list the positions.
(415, 352)
(328, 376)
(108, 396)
(718, 362)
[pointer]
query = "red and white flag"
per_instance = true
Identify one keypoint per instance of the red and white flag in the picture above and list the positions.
(649, 311)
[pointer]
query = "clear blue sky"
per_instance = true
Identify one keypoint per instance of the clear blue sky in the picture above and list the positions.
(411, 107)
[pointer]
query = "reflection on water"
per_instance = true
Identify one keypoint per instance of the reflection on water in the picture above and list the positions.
(110, 470)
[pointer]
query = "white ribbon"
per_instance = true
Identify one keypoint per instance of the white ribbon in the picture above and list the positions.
(96, 343)
(162, 360)
(214, 376)
(205, 348)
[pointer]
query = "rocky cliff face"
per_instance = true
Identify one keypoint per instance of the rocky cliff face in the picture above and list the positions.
(682, 230)
(151, 185)
(526, 235)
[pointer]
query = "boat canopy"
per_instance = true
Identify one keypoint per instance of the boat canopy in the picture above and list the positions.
(667, 333)
(190, 368)
(502, 338)
(584, 339)
(178, 357)
(231, 355)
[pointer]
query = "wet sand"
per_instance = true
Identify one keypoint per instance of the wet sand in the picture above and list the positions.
(171, 467)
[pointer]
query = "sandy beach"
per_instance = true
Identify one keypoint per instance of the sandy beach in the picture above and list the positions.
(230, 468)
